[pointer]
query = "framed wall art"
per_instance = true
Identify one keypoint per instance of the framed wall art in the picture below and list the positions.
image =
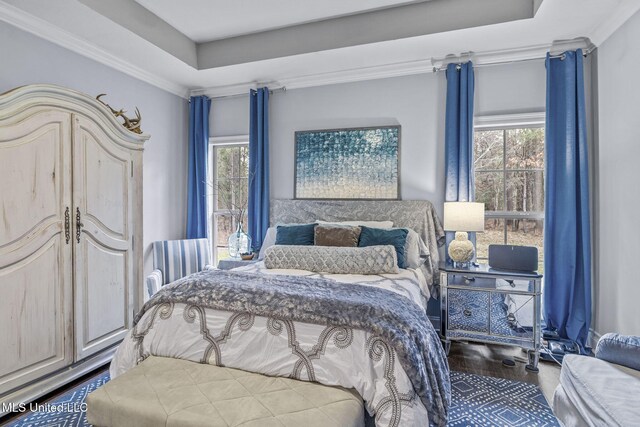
(348, 164)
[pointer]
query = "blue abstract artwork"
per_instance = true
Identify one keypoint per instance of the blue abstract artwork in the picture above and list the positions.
(358, 163)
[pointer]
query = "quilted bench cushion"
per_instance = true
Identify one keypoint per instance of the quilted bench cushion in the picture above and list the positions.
(174, 392)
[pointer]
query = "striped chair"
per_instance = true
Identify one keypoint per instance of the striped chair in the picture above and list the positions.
(175, 259)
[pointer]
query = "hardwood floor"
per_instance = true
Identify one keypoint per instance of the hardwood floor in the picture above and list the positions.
(486, 359)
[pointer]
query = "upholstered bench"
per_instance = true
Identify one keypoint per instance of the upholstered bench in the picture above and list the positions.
(172, 392)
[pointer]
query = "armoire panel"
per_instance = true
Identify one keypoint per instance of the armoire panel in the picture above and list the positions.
(106, 281)
(31, 167)
(33, 307)
(102, 190)
(106, 184)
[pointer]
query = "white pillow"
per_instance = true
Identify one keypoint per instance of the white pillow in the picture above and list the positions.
(269, 240)
(415, 250)
(371, 224)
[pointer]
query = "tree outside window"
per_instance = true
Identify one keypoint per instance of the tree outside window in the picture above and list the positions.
(509, 180)
(228, 193)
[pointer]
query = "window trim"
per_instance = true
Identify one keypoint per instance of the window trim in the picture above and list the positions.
(216, 142)
(505, 122)
(509, 121)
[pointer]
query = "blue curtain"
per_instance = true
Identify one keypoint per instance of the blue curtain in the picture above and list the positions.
(567, 237)
(199, 107)
(459, 137)
(258, 166)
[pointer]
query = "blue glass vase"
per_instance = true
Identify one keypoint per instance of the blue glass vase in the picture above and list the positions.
(239, 243)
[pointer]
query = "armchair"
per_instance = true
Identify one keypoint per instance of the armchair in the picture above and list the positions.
(175, 259)
(601, 390)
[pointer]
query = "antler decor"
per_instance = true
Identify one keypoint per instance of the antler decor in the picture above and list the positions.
(132, 124)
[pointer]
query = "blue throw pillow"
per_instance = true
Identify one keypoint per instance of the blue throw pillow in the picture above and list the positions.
(397, 237)
(300, 235)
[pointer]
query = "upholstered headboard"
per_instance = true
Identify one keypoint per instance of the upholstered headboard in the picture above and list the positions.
(416, 214)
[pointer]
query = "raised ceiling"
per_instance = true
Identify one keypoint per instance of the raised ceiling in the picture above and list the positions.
(316, 45)
(207, 20)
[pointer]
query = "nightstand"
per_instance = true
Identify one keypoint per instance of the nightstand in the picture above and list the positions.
(229, 263)
(491, 306)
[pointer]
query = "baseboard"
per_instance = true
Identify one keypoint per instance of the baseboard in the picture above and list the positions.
(39, 388)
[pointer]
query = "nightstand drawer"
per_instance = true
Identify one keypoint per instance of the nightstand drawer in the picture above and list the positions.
(468, 310)
(471, 281)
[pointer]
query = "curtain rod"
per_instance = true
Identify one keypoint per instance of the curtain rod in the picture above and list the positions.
(238, 95)
(511, 61)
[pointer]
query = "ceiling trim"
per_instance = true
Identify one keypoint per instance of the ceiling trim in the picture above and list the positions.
(505, 56)
(400, 69)
(418, 19)
(323, 79)
(623, 13)
(41, 28)
(139, 20)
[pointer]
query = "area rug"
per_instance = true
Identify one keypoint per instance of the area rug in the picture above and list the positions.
(476, 400)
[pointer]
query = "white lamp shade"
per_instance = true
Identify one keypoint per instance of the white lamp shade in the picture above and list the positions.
(463, 216)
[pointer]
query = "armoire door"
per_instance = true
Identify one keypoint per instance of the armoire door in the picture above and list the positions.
(36, 297)
(102, 218)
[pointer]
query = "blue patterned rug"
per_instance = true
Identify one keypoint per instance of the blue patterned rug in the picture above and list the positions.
(476, 401)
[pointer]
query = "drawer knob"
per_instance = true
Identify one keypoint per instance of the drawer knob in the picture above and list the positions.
(467, 312)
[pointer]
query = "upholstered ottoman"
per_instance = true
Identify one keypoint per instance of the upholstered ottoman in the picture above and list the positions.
(593, 392)
(172, 392)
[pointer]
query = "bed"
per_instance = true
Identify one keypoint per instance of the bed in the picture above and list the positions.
(366, 332)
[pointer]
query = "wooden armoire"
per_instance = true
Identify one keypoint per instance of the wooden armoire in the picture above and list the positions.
(70, 237)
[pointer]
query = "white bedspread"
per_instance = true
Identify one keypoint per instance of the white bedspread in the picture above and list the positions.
(329, 355)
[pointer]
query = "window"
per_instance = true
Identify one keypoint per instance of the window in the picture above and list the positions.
(228, 187)
(509, 180)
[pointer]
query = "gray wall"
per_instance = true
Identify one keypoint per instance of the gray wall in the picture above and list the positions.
(414, 102)
(27, 59)
(618, 146)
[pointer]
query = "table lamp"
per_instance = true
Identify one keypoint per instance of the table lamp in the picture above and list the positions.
(462, 217)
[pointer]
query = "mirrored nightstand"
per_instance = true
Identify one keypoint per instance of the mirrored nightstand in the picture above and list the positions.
(491, 306)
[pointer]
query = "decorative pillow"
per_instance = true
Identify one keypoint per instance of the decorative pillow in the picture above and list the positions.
(336, 235)
(373, 224)
(334, 260)
(619, 349)
(299, 235)
(396, 237)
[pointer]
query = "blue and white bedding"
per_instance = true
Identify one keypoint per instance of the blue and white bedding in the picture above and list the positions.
(285, 326)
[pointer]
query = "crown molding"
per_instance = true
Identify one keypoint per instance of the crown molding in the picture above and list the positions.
(232, 90)
(621, 15)
(43, 29)
(504, 56)
(359, 74)
(322, 79)
(422, 66)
